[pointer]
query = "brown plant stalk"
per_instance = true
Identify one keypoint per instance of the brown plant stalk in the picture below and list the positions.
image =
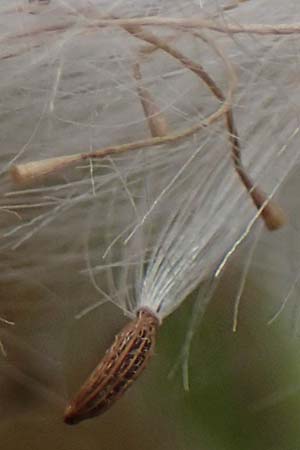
(271, 213)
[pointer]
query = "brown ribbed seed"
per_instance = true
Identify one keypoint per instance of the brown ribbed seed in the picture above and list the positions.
(120, 366)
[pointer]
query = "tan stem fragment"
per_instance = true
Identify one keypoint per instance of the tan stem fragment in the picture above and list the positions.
(156, 121)
(33, 171)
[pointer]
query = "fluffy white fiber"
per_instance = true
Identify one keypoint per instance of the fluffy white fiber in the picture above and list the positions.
(162, 211)
(145, 226)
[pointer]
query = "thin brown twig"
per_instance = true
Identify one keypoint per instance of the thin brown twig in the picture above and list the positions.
(187, 22)
(271, 213)
(33, 171)
(149, 49)
(199, 22)
(158, 42)
(28, 172)
(156, 121)
(273, 216)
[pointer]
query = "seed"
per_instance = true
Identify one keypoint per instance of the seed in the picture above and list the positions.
(121, 365)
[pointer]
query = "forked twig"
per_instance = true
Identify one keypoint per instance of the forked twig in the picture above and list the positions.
(172, 22)
(271, 213)
(33, 171)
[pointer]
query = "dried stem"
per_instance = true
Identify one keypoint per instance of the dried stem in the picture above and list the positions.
(33, 171)
(156, 121)
(199, 22)
(23, 173)
(271, 213)
(173, 22)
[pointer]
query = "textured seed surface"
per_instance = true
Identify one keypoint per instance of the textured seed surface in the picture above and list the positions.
(120, 366)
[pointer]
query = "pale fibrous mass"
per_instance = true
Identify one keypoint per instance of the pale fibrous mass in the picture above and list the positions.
(146, 148)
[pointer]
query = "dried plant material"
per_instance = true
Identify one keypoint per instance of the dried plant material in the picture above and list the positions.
(142, 221)
(49, 166)
(272, 214)
(120, 367)
(173, 22)
(156, 121)
(33, 171)
(260, 29)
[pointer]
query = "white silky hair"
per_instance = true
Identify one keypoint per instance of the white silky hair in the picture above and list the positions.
(146, 226)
